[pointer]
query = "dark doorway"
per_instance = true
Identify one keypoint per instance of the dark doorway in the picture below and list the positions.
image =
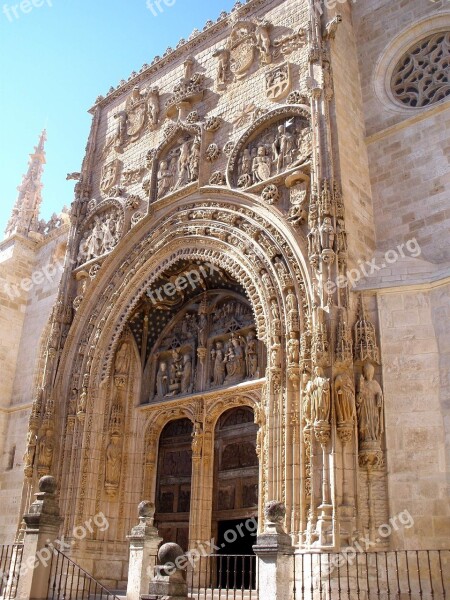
(236, 565)
(173, 495)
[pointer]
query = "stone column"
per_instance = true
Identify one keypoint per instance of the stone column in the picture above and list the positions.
(144, 542)
(276, 556)
(42, 526)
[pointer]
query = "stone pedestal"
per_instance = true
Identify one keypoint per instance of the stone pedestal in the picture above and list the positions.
(42, 526)
(275, 552)
(144, 543)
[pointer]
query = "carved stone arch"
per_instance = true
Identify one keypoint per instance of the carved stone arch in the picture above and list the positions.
(221, 405)
(281, 112)
(156, 155)
(116, 209)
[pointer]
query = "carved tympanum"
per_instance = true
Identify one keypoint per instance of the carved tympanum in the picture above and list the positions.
(101, 234)
(284, 145)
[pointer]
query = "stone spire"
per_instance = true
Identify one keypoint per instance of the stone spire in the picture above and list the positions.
(25, 214)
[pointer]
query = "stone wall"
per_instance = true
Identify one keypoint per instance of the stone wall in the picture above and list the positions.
(30, 272)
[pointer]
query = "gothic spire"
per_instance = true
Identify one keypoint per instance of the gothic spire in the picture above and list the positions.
(25, 214)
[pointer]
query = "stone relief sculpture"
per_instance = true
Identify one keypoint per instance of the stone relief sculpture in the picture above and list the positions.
(140, 107)
(279, 82)
(179, 166)
(280, 147)
(110, 175)
(102, 235)
(212, 345)
(369, 402)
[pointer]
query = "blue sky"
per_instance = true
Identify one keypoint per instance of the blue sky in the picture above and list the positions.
(54, 62)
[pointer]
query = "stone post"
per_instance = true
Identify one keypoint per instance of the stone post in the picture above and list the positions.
(144, 542)
(276, 556)
(169, 582)
(42, 526)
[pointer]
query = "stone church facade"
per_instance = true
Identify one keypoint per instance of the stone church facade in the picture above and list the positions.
(249, 298)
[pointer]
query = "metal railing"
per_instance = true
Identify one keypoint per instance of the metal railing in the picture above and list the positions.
(223, 577)
(68, 581)
(10, 563)
(401, 575)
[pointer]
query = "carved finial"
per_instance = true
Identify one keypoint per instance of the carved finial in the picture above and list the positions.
(25, 214)
(366, 347)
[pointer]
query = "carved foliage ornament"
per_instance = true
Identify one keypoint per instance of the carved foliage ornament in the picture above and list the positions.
(421, 77)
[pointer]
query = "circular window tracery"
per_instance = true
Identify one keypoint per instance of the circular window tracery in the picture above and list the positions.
(421, 77)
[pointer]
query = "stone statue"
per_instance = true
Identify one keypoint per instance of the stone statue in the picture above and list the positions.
(95, 240)
(121, 133)
(234, 361)
(202, 330)
(321, 396)
(183, 164)
(165, 179)
(123, 360)
(222, 67)
(187, 374)
(245, 178)
(153, 107)
(113, 462)
(291, 301)
(307, 407)
(263, 41)
(218, 359)
(162, 380)
(327, 234)
(261, 165)
(194, 163)
(46, 450)
(369, 402)
(275, 353)
(84, 249)
(293, 351)
(345, 398)
(252, 354)
(283, 148)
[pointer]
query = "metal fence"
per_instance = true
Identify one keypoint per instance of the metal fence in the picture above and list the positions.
(10, 563)
(402, 575)
(68, 581)
(223, 577)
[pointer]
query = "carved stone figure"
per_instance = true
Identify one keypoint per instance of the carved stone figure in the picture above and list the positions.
(153, 107)
(223, 56)
(162, 380)
(345, 398)
(113, 464)
(321, 396)
(327, 234)
(218, 359)
(183, 164)
(293, 351)
(263, 41)
(307, 405)
(46, 450)
(252, 354)
(261, 165)
(194, 163)
(165, 179)
(187, 374)
(245, 178)
(283, 148)
(275, 353)
(234, 361)
(123, 360)
(369, 402)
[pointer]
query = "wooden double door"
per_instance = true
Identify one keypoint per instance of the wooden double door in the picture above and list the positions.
(235, 490)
